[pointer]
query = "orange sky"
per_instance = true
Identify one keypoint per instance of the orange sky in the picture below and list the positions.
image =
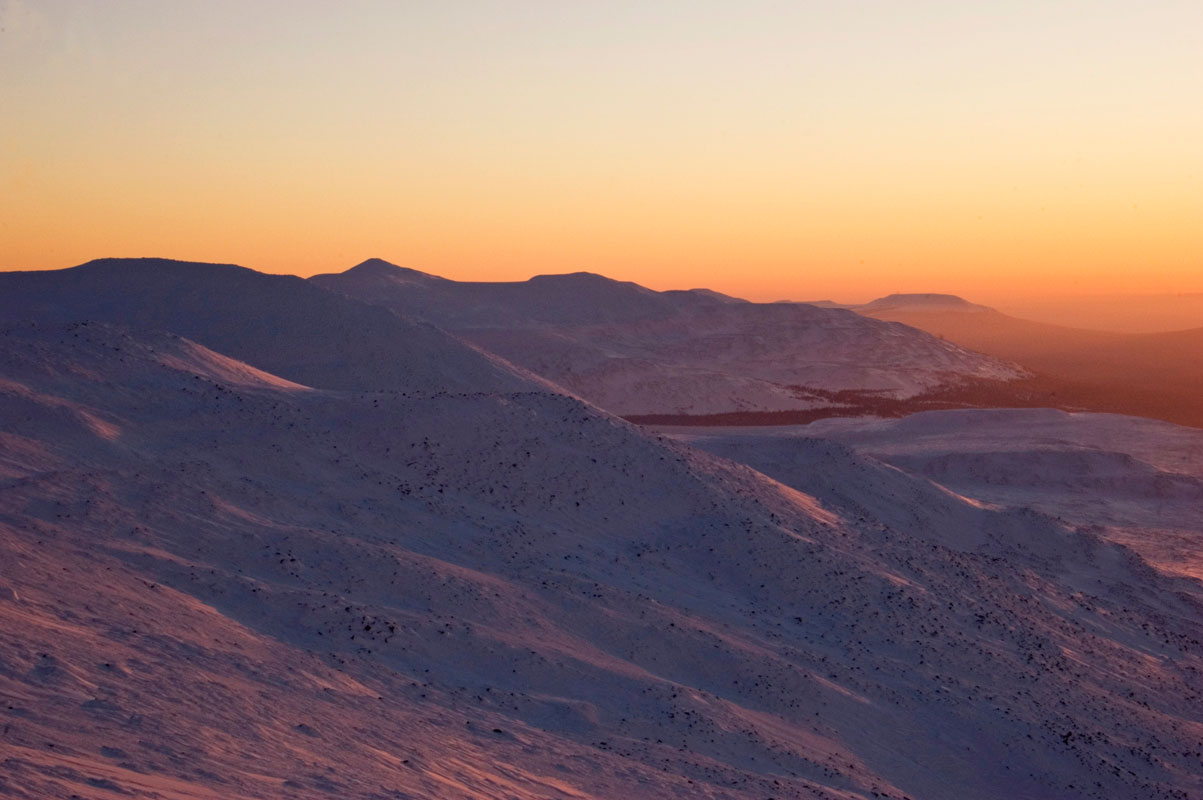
(768, 149)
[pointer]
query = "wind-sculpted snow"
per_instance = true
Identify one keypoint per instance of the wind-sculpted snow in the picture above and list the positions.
(633, 351)
(218, 584)
(1128, 479)
(278, 323)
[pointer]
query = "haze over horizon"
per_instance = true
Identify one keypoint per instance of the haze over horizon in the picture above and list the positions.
(383, 413)
(802, 151)
(1118, 312)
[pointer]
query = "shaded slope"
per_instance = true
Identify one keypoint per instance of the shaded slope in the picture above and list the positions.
(510, 595)
(634, 351)
(279, 323)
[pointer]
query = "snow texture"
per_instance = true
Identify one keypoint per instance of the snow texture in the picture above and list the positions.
(219, 582)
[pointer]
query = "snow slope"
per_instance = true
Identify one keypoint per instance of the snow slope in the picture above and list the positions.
(221, 584)
(279, 323)
(634, 351)
(1131, 480)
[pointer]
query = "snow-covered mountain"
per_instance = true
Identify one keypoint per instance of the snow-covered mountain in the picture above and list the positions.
(634, 351)
(221, 583)
(278, 323)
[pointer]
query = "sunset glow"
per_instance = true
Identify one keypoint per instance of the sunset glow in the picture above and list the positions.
(514, 399)
(769, 150)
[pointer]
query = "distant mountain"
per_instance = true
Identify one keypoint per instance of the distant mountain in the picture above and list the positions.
(219, 583)
(281, 324)
(899, 303)
(635, 351)
(822, 303)
(710, 293)
(1157, 375)
(575, 298)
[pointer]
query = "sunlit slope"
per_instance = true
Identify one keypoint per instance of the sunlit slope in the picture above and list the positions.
(1127, 479)
(223, 585)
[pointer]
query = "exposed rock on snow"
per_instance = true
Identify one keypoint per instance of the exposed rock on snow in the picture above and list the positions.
(229, 585)
(1131, 480)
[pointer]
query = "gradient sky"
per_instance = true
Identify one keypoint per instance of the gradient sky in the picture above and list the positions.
(768, 149)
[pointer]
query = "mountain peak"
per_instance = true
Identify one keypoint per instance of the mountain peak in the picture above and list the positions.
(379, 268)
(374, 264)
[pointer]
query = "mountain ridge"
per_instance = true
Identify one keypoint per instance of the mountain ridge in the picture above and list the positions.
(636, 351)
(280, 323)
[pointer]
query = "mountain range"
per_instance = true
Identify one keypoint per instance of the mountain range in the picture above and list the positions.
(641, 353)
(418, 571)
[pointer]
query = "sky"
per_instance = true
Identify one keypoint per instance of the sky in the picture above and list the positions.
(1001, 150)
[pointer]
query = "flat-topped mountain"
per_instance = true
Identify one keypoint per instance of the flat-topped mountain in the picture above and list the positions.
(635, 351)
(919, 302)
